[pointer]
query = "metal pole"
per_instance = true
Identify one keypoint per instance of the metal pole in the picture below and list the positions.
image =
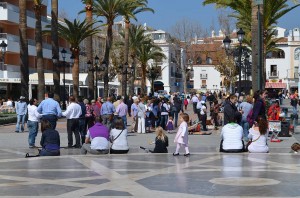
(64, 96)
(259, 66)
(240, 68)
(96, 70)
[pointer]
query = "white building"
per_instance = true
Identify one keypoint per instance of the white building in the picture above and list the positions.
(171, 75)
(282, 68)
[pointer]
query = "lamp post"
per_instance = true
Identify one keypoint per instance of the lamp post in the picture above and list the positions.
(96, 78)
(63, 54)
(3, 46)
(241, 35)
(227, 42)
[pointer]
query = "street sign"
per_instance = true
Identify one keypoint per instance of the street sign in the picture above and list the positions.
(258, 2)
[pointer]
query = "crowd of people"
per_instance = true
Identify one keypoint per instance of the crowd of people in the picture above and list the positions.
(96, 124)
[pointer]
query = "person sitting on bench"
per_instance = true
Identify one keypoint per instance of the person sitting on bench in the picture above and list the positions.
(231, 137)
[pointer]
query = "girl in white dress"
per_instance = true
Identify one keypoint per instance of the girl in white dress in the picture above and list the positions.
(181, 137)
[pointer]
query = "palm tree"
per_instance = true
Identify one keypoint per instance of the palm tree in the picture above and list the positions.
(89, 46)
(74, 33)
(146, 52)
(55, 48)
(132, 8)
(136, 39)
(39, 49)
(246, 14)
(110, 10)
(24, 65)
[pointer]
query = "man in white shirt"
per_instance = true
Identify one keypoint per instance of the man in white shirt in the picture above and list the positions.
(195, 100)
(72, 114)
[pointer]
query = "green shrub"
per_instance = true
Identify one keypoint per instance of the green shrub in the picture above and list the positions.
(8, 118)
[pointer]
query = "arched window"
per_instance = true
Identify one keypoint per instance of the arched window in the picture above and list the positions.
(297, 53)
(208, 60)
(199, 60)
(277, 54)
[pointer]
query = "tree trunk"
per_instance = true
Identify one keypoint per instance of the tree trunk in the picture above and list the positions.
(39, 53)
(143, 82)
(254, 36)
(75, 73)
(132, 78)
(55, 48)
(24, 65)
(126, 54)
(89, 50)
(109, 39)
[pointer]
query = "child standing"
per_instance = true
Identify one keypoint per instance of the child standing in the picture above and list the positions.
(170, 124)
(203, 115)
(185, 102)
(181, 137)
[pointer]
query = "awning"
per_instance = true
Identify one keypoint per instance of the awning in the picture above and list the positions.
(279, 85)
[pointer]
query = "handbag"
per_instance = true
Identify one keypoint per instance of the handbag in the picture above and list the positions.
(112, 141)
(250, 142)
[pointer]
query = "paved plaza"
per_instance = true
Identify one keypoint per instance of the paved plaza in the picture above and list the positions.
(206, 173)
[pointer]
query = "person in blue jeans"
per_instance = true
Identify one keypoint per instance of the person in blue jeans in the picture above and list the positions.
(21, 110)
(33, 122)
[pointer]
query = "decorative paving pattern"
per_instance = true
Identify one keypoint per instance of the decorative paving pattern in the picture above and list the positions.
(149, 175)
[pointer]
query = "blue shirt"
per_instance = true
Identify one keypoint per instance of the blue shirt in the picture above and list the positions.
(21, 108)
(49, 107)
(107, 108)
(134, 109)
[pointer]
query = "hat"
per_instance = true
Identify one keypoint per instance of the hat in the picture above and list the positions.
(93, 101)
(22, 97)
(202, 102)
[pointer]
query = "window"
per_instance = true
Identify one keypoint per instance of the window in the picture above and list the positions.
(208, 60)
(273, 70)
(277, 54)
(297, 53)
(199, 60)
(158, 36)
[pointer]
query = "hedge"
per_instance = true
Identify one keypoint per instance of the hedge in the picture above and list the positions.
(8, 118)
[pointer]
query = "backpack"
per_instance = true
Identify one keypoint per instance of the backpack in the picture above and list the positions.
(162, 108)
(250, 119)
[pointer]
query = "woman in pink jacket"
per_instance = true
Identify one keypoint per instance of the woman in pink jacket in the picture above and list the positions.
(181, 137)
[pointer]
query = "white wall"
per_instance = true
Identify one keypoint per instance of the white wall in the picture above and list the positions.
(213, 77)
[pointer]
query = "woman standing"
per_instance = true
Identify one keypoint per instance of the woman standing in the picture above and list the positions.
(141, 116)
(89, 119)
(33, 122)
(259, 108)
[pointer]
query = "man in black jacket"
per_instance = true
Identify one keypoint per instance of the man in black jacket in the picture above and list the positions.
(230, 110)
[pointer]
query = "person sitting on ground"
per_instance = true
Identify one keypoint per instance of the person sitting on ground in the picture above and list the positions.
(231, 137)
(161, 142)
(258, 135)
(118, 138)
(50, 140)
(274, 111)
(96, 141)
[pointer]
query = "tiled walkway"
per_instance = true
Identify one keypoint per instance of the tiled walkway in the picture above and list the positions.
(206, 173)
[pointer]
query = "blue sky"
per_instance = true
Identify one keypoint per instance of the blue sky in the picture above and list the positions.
(168, 12)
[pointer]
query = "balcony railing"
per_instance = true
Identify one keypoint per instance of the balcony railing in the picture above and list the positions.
(14, 8)
(274, 74)
(203, 86)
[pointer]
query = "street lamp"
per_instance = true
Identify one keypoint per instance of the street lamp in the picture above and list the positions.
(63, 54)
(3, 46)
(96, 70)
(241, 35)
(226, 42)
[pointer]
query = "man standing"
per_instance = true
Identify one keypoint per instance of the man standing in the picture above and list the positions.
(116, 103)
(73, 113)
(230, 110)
(122, 111)
(21, 110)
(50, 109)
(195, 101)
(82, 128)
(107, 111)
